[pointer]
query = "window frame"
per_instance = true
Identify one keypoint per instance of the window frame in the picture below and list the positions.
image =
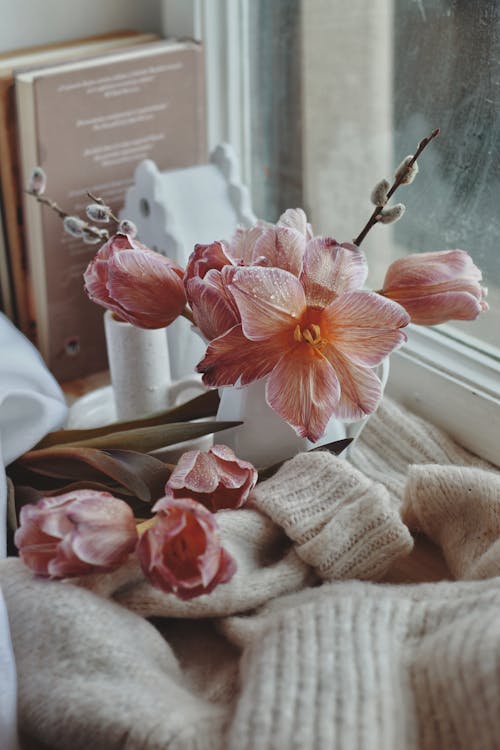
(436, 375)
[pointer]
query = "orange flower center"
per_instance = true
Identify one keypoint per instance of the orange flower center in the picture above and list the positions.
(311, 335)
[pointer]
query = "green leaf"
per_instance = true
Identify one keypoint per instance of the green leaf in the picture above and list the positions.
(142, 475)
(337, 447)
(146, 439)
(200, 407)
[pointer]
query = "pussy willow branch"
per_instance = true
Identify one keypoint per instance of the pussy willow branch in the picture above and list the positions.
(62, 214)
(47, 202)
(101, 203)
(377, 210)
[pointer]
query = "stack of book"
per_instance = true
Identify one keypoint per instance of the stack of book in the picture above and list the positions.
(87, 112)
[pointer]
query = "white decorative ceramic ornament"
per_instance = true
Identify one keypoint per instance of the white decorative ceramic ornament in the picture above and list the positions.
(176, 209)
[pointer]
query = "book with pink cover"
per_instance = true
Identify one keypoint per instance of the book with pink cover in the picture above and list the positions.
(88, 124)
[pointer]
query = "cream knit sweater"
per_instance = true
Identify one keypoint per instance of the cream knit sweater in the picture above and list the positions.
(305, 649)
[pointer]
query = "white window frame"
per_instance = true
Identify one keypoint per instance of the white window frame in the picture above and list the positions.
(438, 377)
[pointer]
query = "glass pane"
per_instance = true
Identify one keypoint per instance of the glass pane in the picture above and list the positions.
(344, 91)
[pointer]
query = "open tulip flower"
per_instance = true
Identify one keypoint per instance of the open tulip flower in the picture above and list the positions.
(137, 284)
(76, 533)
(182, 553)
(217, 478)
(280, 245)
(436, 287)
(317, 337)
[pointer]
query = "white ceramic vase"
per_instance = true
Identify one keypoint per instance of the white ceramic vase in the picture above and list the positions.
(140, 370)
(265, 438)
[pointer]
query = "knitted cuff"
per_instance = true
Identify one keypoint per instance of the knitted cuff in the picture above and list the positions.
(343, 525)
(459, 509)
(393, 439)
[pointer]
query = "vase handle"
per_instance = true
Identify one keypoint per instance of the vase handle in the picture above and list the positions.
(177, 391)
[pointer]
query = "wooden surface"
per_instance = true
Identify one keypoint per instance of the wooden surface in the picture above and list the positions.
(73, 389)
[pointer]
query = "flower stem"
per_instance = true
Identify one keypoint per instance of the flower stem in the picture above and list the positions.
(186, 313)
(397, 182)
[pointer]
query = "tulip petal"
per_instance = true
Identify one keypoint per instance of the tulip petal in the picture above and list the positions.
(289, 249)
(330, 269)
(270, 301)
(186, 559)
(249, 244)
(96, 274)
(360, 388)
(95, 280)
(105, 547)
(105, 531)
(194, 471)
(214, 310)
(364, 327)
(227, 568)
(234, 472)
(38, 557)
(295, 218)
(147, 286)
(205, 258)
(432, 309)
(66, 564)
(233, 356)
(304, 389)
(430, 268)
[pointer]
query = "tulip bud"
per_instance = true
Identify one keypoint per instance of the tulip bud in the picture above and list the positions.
(141, 286)
(74, 226)
(76, 533)
(379, 193)
(436, 287)
(127, 227)
(37, 182)
(181, 553)
(217, 479)
(392, 214)
(407, 173)
(98, 212)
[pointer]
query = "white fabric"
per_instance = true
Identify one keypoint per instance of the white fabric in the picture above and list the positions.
(31, 404)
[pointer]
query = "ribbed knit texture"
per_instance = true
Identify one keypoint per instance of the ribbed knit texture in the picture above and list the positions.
(289, 662)
(393, 439)
(459, 509)
(364, 667)
(343, 525)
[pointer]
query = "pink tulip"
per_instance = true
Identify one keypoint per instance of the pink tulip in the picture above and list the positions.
(210, 266)
(139, 285)
(436, 287)
(76, 533)
(205, 258)
(214, 310)
(217, 479)
(317, 337)
(182, 552)
(280, 246)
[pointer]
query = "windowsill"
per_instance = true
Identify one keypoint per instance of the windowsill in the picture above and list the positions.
(451, 385)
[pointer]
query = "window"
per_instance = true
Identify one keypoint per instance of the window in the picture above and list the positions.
(322, 99)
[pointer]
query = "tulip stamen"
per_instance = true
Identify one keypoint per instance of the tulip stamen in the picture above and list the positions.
(297, 334)
(311, 335)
